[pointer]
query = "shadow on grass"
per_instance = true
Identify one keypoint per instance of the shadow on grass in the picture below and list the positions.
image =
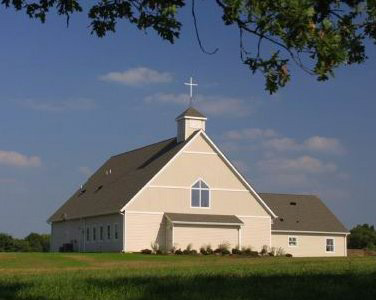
(349, 286)
(10, 291)
(305, 286)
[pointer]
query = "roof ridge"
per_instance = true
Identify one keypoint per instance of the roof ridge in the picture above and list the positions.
(136, 149)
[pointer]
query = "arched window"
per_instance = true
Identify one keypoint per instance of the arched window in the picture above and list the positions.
(200, 194)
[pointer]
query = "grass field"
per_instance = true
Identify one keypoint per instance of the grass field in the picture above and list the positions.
(135, 276)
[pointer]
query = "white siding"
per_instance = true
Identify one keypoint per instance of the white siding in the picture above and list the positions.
(256, 232)
(144, 229)
(310, 244)
(203, 235)
(74, 231)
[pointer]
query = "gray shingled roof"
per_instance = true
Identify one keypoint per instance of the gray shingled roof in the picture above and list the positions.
(203, 218)
(191, 112)
(301, 213)
(130, 171)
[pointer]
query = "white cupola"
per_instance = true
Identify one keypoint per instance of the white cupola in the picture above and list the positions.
(189, 121)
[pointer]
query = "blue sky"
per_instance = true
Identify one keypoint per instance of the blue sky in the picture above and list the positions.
(70, 100)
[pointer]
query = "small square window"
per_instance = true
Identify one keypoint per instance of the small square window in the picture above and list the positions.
(329, 245)
(293, 241)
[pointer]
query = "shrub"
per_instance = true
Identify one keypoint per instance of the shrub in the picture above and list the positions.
(159, 251)
(193, 252)
(173, 249)
(264, 250)
(224, 246)
(206, 249)
(236, 251)
(178, 252)
(280, 252)
(288, 255)
(254, 254)
(154, 246)
(246, 250)
(146, 251)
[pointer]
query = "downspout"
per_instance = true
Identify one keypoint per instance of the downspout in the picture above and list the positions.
(124, 230)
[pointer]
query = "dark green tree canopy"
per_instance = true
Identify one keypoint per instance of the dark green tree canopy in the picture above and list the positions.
(316, 35)
(362, 237)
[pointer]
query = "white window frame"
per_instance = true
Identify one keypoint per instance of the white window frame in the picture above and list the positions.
(101, 238)
(200, 189)
(108, 231)
(292, 237)
(87, 236)
(94, 228)
(116, 231)
(326, 244)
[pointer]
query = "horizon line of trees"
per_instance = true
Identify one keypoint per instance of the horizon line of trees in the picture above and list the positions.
(361, 237)
(34, 242)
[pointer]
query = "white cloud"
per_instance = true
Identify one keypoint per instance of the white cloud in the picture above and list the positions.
(313, 144)
(12, 158)
(324, 144)
(282, 144)
(211, 105)
(138, 76)
(303, 164)
(249, 134)
(59, 106)
(85, 170)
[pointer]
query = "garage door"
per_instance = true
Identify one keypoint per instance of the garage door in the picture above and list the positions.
(199, 235)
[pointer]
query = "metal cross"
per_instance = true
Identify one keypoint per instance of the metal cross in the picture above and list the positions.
(191, 85)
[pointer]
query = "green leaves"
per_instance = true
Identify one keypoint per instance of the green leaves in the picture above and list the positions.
(317, 36)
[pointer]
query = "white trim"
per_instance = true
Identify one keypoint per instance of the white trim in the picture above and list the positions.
(322, 232)
(267, 208)
(240, 237)
(334, 244)
(145, 212)
(188, 188)
(200, 152)
(206, 223)
(197, 133)
(173, 235)
(124, 231)
(270, 233)
(345, 245)
(193, 118)
(296, 241)
(267, 217)
(200, 189)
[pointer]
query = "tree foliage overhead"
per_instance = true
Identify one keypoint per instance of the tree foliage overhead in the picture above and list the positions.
(316, 35)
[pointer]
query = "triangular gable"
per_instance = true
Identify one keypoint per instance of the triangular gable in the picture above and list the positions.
(222, 156)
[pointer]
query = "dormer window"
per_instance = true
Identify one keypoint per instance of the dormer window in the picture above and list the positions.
(200, 194)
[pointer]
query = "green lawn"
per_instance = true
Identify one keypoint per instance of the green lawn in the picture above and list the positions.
(136, 276)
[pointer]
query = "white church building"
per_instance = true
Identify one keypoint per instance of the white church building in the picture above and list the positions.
(184, 191)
